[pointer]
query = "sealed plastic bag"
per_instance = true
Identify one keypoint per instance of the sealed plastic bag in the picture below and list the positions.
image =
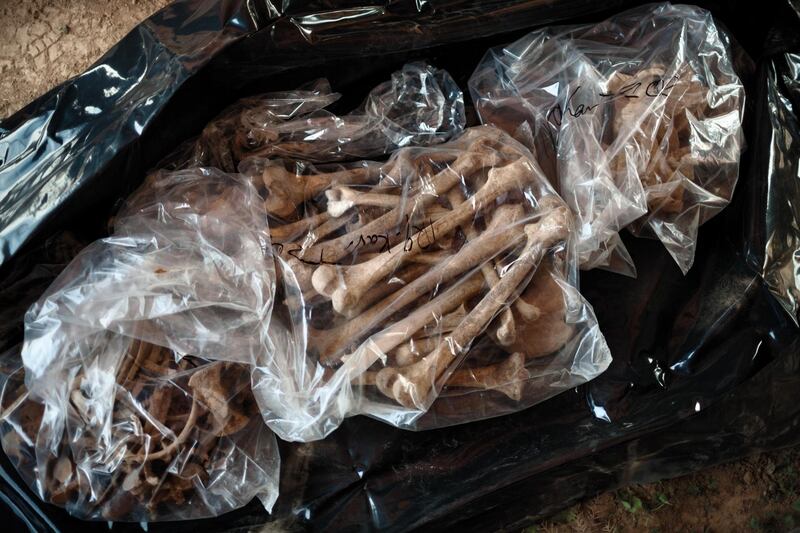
(420, 105)
(446, 272)
(136, 402)
(639, 116)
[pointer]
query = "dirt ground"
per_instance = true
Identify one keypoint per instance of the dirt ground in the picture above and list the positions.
(759, 494)
(44, 42)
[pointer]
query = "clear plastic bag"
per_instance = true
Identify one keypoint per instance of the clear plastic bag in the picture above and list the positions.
(136, 403)
(446, 272)
(419, 106)
(638, 119)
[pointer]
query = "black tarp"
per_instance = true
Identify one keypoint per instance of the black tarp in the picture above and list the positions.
(706, 367)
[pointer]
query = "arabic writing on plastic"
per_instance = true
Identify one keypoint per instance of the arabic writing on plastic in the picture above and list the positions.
(423, 237)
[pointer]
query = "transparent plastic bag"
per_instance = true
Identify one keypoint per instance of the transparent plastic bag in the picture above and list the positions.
(447, 271)
(136, 403)
(420, 105)
(638, 118)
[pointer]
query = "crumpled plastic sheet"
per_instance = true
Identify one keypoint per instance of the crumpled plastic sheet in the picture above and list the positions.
(640, 116)
(419, 106)
(127, 410)
(709, 375)
(777, 257)
(446, 270)
(189, 272)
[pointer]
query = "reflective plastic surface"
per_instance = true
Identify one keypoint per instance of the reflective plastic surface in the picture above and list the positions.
(706, 366)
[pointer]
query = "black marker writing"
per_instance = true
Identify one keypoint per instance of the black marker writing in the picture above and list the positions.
(556, 113)
(657, 87)
(423, 236)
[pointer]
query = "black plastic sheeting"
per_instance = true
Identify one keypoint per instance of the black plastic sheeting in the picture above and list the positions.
(706, 367)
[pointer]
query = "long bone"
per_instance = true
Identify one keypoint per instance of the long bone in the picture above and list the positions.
(428, 337)
(506, 330)
(323, 230)
(304, 271)
(549, 331)
(476, 158)
(413, 350)
(432, 258)
(411, 386)
(346, 288)
(397, 333)
(286, 190)
(411, 161)
(446, 323)
(342, 198)
(310, 234)
(490, 243)
(382, 290)
(427, 216)
(288, 232)
(507, 377)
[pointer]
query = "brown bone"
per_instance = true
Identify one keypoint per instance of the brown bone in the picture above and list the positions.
(508, 377)
(479, 155)
(342, 198)
(500, 235)
(289, 232)
(397, 333)
(505, 331)
(411, 386)
(549, 331)
(347, 287)
(286, 190)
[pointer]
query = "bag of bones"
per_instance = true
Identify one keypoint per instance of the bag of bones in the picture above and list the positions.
(637, 121)
(433, 289)
(419, 105)
(133, 399)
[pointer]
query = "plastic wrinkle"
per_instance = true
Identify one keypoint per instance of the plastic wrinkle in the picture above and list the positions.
(136, 403)
(638, 117)
(96, 421)
(445, 271)
(420, 105)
